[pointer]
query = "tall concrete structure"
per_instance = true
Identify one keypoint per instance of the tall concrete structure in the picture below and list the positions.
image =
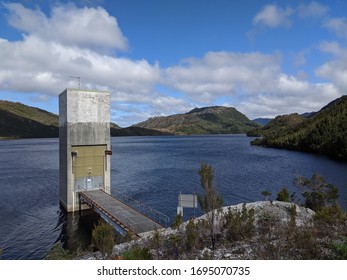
(84, 143)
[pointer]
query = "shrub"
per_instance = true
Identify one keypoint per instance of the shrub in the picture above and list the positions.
(341, 249)
(330, 216)
(283, 195)
(314, 200)
(138, 253)
(156, 242)
(317, 192)
(307, 244)
(266, 194)
(177, 222)
(239, 225)
(57, 252)
(103, 238)
(293, 214)
(191, 235)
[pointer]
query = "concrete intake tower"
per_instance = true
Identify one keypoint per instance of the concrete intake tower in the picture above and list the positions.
(84, 144)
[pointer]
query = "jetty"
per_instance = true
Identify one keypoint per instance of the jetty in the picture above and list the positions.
(125, 218)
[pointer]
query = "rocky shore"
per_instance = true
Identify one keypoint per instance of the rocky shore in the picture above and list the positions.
(271, 221)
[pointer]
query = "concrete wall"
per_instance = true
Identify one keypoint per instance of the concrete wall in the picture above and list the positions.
(84, 119)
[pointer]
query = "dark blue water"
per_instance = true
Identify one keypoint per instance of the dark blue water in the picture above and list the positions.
(151, 169)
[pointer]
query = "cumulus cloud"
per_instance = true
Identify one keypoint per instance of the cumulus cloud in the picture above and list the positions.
(300, 58)
(273, 16)
(219, 73)
(72, 42)
(69, 25)
(289, 95)
(252, 82)
(338, 26)
(313, 9)
(334, 70)
(28, 70)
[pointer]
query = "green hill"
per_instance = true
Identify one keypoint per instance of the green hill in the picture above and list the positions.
(325, 132)
(207, 120)
(278, 126)
(136, 131)
(20, 121)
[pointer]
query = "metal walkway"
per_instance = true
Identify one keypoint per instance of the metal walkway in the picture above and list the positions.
(122, 216)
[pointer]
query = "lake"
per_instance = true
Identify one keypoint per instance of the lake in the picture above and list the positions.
(153, 170)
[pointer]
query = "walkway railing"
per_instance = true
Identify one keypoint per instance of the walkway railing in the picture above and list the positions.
(128, 223)
(143, 208)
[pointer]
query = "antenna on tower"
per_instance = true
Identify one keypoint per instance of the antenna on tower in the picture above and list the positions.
(79, 80)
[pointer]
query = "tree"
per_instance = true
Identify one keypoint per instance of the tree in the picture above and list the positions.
(266, 194)
(211, 201)
(191, 235)
(283, 195)
(239, 225)
(317, 192)
(103, 237)
(178, 221)
(57, 252)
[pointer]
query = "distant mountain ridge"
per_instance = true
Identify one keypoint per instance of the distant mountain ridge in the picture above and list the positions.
(265, 121)
(21, 121)
(206, 120)
(262, 121)
(324, 132)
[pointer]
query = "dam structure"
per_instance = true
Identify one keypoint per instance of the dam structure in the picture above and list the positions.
(84, 144)
(85, 164)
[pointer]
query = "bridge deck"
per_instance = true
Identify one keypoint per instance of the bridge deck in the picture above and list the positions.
(120, 213)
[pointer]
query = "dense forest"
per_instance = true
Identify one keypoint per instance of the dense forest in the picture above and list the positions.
(324, 132)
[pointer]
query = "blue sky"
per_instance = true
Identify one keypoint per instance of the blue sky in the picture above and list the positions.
(158, 57)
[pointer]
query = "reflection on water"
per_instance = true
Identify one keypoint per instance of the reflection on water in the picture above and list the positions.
(77, 229)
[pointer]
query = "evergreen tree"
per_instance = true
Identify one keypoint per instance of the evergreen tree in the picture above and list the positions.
(211, 201)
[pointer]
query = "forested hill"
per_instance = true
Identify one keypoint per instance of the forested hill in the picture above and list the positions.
(325, 132)
(207, 120)
(20, 121)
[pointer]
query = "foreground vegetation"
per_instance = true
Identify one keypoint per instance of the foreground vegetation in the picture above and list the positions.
(310, 225)
(270, 230)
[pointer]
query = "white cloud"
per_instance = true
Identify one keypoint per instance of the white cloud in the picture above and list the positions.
(222, 73)
(42, 61)
(273, 16)
(313, 9)
(334, 70)
(300, 58)
(332, 48)
(289, 95)
(47, 70)
(159, 105)
(50, 51)
(338, 26)
(69, 25)
(252, 82)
